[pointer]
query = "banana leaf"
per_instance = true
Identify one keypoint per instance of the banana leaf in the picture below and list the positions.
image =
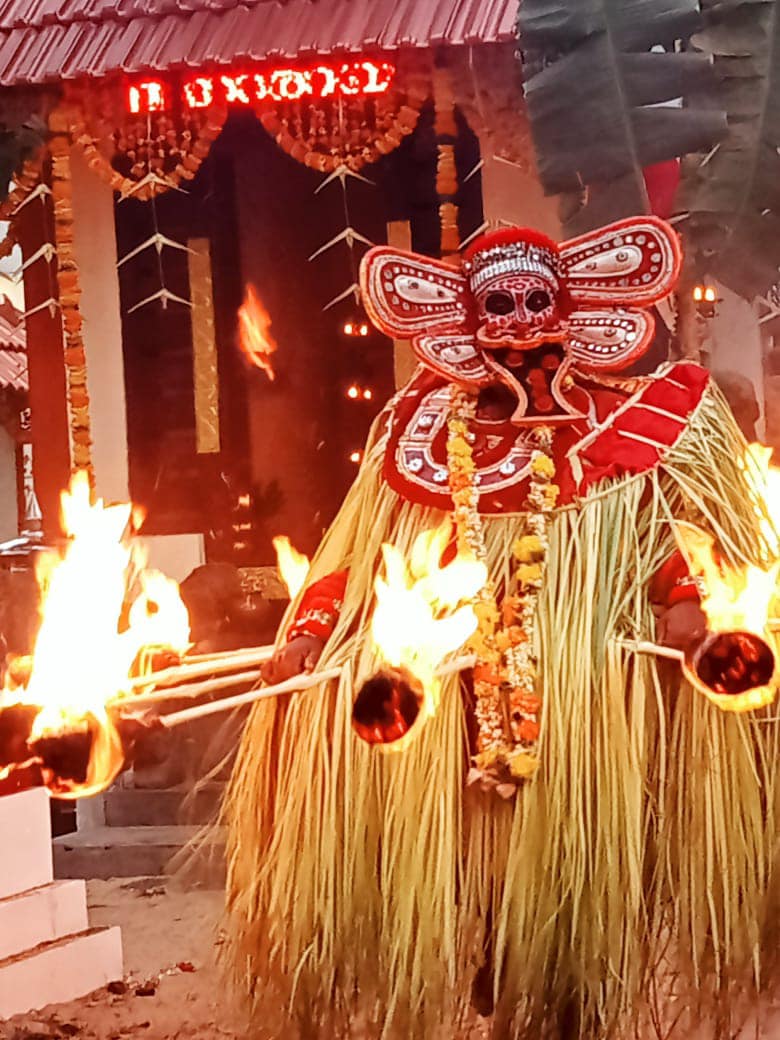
(733, 194)
(597, 99)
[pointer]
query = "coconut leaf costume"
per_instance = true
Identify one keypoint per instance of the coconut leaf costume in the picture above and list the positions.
(569, 833)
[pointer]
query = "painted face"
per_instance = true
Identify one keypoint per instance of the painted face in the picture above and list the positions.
(518, 310)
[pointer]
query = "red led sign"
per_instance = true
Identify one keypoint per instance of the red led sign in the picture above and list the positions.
(362, 78)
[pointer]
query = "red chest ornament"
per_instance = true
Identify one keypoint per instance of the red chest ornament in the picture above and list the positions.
(537, 324)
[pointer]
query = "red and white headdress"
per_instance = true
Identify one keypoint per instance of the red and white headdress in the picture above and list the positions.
(599, 285)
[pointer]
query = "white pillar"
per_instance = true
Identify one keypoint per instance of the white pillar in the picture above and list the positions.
(735, 340)
(96, 253)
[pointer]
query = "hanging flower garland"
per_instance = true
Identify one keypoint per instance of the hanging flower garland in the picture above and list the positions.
(69, 286)
(24, 183)
(507, 701)
(141, 156)
(327, 135)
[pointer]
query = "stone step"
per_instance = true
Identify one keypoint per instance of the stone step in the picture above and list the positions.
(25, 834)
(59, 971)
(133, 807)
(107, 852)
(41, 916)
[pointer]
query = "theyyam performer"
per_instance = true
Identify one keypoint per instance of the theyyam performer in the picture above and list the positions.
(551, 833)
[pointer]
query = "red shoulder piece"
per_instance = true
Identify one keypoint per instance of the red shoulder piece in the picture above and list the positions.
(635, 437)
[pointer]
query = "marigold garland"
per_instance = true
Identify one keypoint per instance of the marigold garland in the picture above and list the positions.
(69, 286)
(156, 152)
(507, 701)
(446, 130)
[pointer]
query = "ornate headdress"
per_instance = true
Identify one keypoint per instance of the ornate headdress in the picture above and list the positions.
(602, 282)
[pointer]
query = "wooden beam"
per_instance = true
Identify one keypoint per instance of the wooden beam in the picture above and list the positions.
(49, 431)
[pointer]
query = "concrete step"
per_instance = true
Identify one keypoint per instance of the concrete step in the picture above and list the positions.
(59, 971)
(133, 807)
(41, 916)
(107, 852)
(25, 837)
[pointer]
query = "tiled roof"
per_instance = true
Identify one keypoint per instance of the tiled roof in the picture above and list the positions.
(47, 40)
(13, 352)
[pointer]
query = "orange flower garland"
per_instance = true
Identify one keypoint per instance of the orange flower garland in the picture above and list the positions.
(507, 702)
(446, 172)
(69, 286)
(149, 182)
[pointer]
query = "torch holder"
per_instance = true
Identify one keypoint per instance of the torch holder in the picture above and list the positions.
(387, 706)
(734, 669)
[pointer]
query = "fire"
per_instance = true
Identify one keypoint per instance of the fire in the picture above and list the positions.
(85, 651)
(293, 566)
(422, 613)
(254, 324)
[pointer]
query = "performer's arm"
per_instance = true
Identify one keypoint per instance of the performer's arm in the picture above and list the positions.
(311, 628)
(676, 598)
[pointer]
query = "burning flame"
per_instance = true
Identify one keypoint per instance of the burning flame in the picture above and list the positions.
(293, 566)
(742, 598)
(419, 618)
(82, 661)
(255, 339)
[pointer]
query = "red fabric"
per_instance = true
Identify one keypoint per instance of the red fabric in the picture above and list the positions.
(320, 607)
(671, 583)
(610, 455)
(508, 236)
(662, 181)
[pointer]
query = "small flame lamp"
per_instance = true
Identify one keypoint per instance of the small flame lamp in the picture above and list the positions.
(705, 297)
(355, 327)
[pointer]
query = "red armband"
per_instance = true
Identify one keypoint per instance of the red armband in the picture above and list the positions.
(320, 607)
(674, 583)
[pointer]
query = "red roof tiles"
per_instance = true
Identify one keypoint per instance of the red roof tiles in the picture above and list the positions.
(47, 40)
(13, 348)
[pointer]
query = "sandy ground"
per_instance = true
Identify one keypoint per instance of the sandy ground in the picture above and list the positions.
(171, 942)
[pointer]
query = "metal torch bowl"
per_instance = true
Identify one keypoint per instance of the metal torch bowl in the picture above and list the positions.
(735, 670)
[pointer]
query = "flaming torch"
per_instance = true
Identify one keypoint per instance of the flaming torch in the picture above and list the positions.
(254, 328)
(422, 614)
(734, 665)
(54, 707)
(293, 566)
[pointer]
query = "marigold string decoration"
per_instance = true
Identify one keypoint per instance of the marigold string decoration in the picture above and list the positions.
(508, 705)
(145, 154)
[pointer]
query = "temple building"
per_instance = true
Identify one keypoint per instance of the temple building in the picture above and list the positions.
(208, 177)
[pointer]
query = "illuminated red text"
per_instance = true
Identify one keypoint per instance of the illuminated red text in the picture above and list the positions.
(362, 78)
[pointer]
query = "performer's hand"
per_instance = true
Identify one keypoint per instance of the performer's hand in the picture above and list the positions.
(299, 655)
(681, 625)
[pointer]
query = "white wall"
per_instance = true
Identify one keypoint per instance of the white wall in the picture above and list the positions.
(95, 247)
(512, 195)
(735, 342)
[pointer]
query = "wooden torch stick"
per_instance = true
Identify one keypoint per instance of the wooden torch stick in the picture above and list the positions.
(208, 664)
(294, 685)
(297, 684)
(654, 649)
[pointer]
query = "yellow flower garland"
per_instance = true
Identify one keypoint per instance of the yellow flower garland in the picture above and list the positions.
(507, 701)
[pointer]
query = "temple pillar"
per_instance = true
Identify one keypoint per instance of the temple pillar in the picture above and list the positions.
(96, 254)
(735, 343)
(399, 236)
(49, 429)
